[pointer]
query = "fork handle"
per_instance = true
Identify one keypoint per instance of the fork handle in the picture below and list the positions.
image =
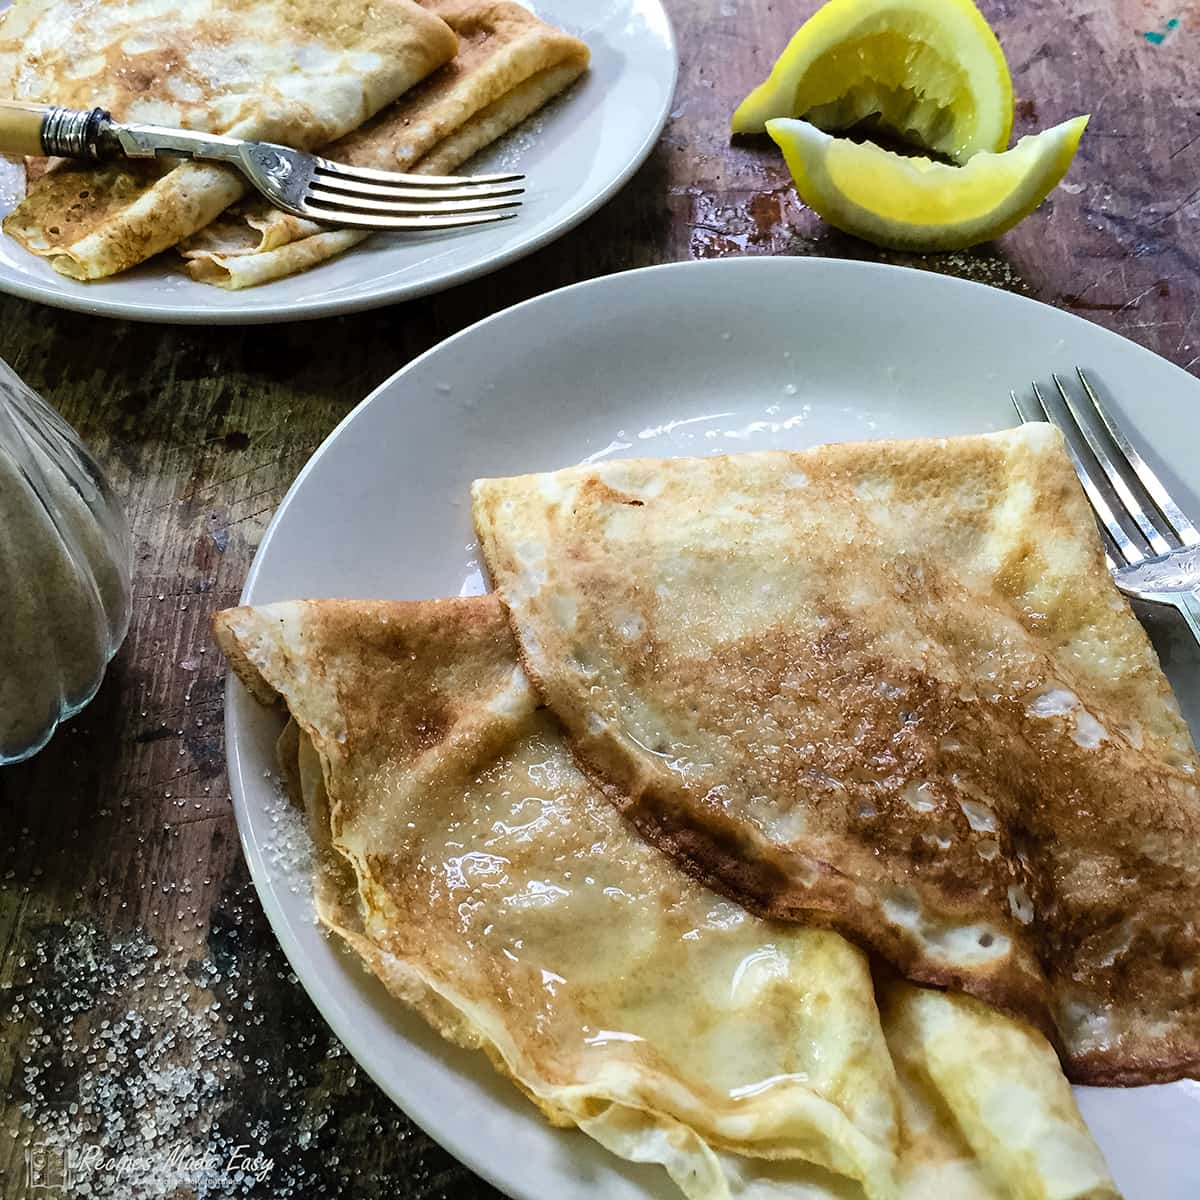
(20, 128)
(48, 129)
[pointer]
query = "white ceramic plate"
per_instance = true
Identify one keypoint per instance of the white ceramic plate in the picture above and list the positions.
(576, 154)
(694, 358)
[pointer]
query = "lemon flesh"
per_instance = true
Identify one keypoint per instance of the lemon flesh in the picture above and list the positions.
(929, 71)
(913, 203)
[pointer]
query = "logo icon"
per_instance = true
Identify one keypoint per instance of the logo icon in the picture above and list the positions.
(47, 1171)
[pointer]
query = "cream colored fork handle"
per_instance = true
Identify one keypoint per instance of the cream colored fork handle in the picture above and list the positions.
(21, 128)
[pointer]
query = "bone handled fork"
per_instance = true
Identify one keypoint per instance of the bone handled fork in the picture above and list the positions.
(1153, 548)
(305, 185)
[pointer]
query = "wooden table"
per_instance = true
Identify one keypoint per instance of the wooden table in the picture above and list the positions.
(145, 1007)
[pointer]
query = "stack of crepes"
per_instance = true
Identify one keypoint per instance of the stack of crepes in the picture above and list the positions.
(389, 84)
(879, 697)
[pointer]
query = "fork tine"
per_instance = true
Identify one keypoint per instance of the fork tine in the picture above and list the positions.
(359, 187)
(1027, 412)
(1133, 506)
(1180, 525)
(433, 208)
(345, 218)
(1031, 413)
(1117, 538)
(398, 177)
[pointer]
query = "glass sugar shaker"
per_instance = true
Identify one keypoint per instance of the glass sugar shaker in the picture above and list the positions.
(65, 567)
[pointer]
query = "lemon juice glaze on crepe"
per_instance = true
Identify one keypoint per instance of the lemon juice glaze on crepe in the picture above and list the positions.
(887, 687)
(299, 72)
(482, 877)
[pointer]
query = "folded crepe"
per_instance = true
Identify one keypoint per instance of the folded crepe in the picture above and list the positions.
(887, 688)
(508, 65)
(481, 876)
(299, 72)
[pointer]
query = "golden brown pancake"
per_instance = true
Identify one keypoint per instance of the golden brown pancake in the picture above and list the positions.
(508, 65)
(300, 72)
(888, 688)
(503, 897)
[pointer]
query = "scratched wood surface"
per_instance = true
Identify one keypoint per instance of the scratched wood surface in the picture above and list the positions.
(145, 1008)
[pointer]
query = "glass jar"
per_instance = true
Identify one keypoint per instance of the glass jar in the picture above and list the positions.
(65, 567)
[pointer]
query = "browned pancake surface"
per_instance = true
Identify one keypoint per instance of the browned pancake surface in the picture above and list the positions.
(508, 65)
(299, 72)
(476, 870)
(889, 688)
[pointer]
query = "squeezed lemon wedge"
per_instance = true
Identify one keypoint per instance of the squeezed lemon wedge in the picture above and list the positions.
(927, 71)
(913, 203)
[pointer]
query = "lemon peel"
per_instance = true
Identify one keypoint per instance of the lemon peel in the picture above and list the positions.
(913, 203)
(928, 71)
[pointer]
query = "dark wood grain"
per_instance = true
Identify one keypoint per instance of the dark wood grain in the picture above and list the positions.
(119, 838)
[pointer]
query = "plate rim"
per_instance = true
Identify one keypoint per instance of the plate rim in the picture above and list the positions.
(315, 985)
(866, 266)
(314, 309)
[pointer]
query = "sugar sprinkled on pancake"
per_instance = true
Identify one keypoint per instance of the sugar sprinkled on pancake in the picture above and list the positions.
(505, 899)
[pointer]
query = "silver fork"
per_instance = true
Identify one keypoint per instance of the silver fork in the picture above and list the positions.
(1153, 549)
(305, 185)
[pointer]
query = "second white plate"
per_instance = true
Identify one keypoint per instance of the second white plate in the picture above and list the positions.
(576, 154)
(696, 358)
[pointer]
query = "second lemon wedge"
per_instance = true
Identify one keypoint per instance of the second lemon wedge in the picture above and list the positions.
(928, 71)
(913, 203)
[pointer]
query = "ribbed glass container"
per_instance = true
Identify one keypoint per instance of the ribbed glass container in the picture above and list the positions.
(64, 571)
